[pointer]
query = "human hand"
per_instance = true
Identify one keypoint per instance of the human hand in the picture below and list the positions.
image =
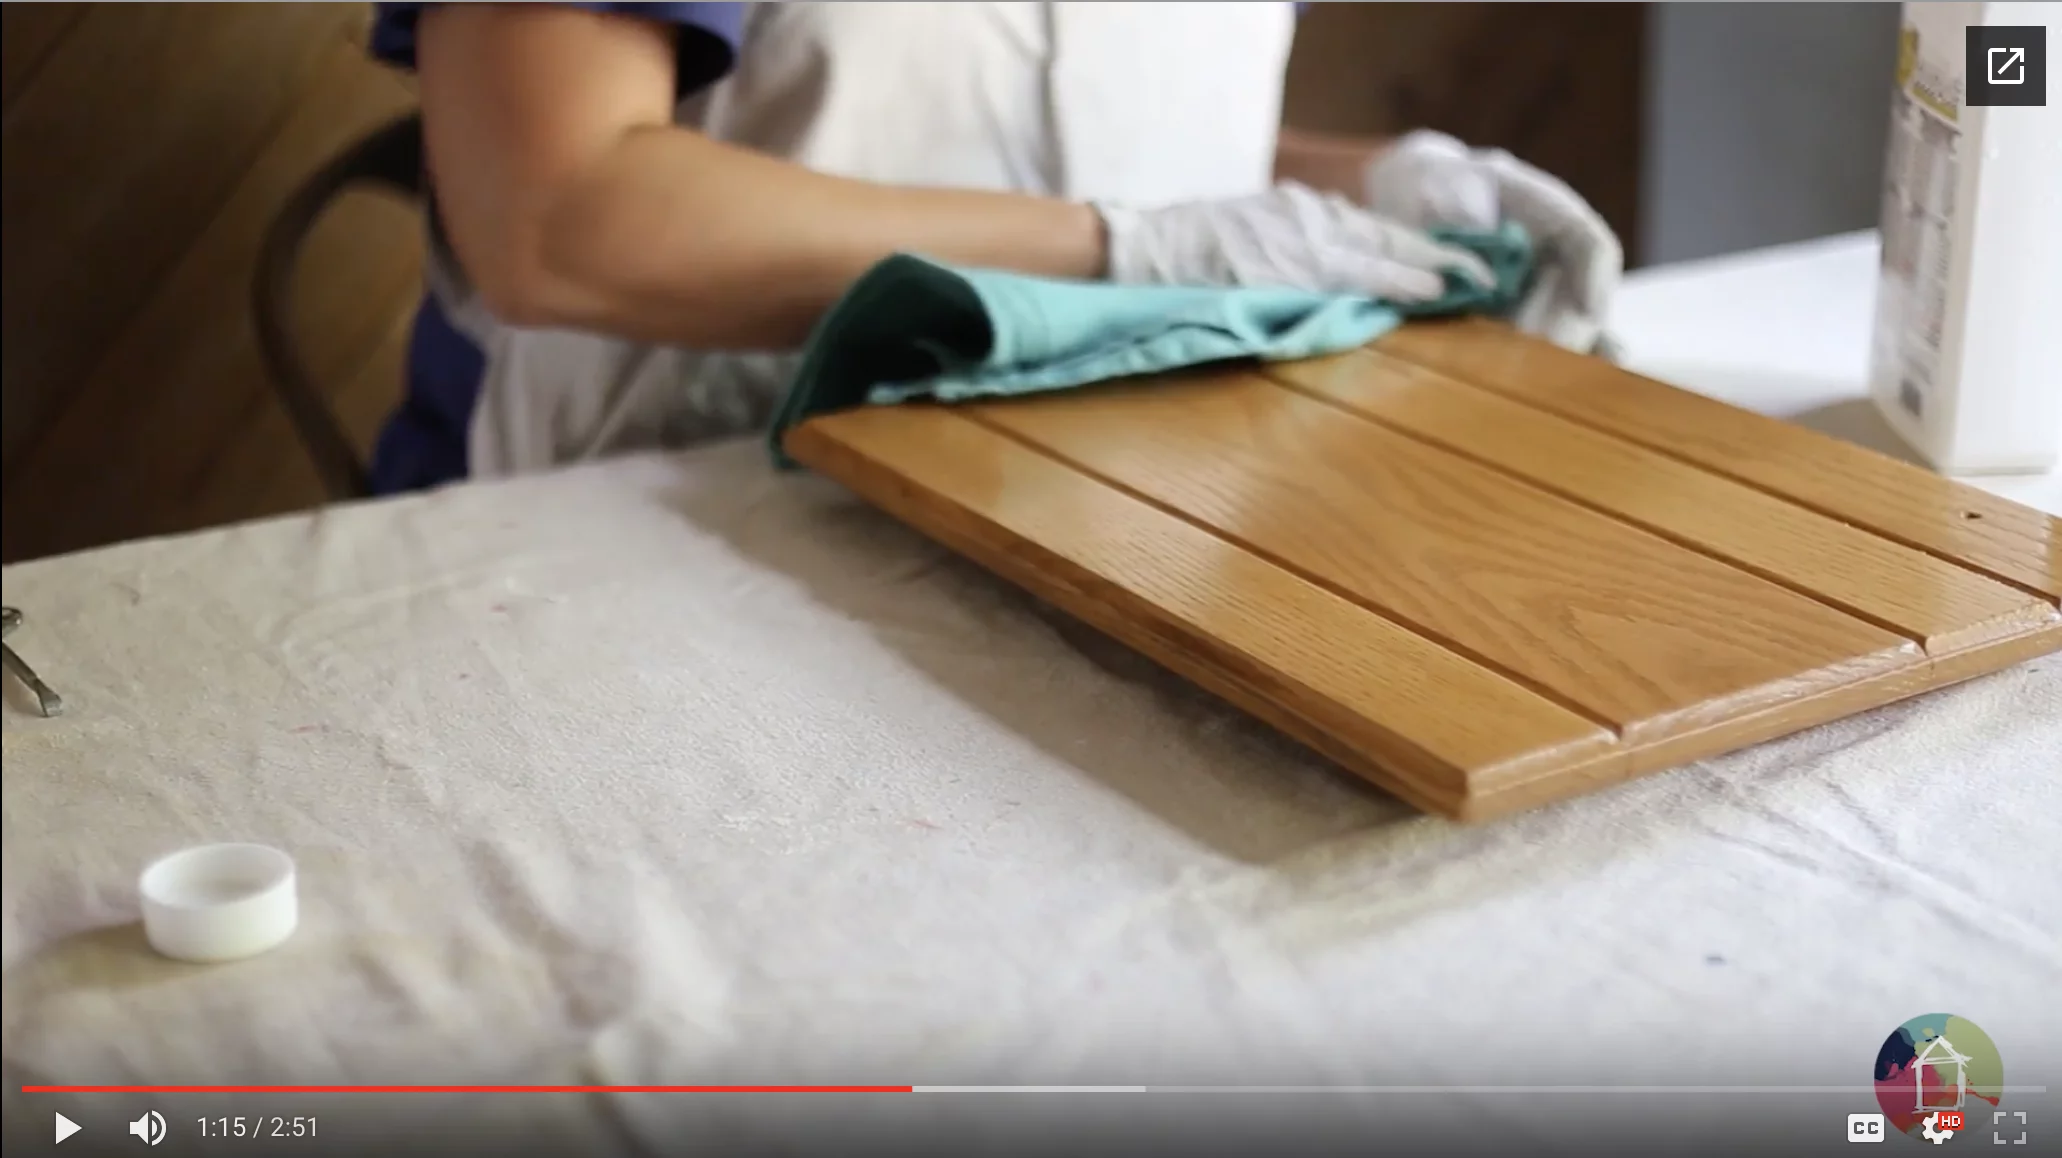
(1288, 236)
(1429, 179)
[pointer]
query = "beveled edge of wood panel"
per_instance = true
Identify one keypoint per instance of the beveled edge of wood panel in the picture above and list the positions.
(2007, 611)
(1374, 749)
(1827, 705)
(1048, 422)
(1999, 538)
(1393, 763)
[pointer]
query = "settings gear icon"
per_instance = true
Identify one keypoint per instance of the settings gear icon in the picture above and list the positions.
(1932, 1135)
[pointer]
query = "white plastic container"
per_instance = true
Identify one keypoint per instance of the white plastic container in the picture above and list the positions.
(219, 902)
(1966, 363)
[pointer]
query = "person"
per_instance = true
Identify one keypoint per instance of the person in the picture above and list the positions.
(638, 210)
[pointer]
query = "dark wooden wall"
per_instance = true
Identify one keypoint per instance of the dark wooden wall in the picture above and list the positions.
(146, 146)
(1559, 85)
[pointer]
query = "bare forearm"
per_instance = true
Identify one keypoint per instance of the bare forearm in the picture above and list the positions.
(574, 202)
(1325, 161)
(678, 239)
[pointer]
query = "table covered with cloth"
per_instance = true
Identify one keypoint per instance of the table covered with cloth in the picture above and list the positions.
(678, 770)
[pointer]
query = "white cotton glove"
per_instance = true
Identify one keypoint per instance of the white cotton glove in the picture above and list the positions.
(1428, 179)
(1288, 236)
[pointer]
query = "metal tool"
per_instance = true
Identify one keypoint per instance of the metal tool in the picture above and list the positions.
(46, 699)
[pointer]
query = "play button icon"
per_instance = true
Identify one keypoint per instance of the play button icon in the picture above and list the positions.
(65, 1127)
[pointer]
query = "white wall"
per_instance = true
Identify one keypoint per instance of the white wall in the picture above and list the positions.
(1765, 123)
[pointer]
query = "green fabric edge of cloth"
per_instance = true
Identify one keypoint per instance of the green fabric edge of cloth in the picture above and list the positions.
(912, 328)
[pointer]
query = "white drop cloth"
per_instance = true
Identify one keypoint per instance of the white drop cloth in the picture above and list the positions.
(670, 770)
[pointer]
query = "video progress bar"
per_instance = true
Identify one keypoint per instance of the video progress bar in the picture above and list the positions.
(1857, 1090)
(1850, 1091)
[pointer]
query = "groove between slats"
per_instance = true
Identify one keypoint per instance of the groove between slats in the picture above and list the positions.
(1412, 352)
(1640, 525)
(1344, 723)
(1552, 765)
(1642, 672)
(1388, 615)
(1999, 625)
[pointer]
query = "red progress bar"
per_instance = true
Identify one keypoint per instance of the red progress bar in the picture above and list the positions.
(468, 1089)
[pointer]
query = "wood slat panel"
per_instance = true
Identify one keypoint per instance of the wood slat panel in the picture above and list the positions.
(1942, 606)
(117, 155)
(1895, 499)
(1634, 631)
(360, 269)
(1206, 609)
(264, 470)
(151, 417)
(28, 35)
(367, 399)
(1313, 541)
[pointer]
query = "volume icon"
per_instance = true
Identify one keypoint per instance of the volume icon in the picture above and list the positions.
(150, 1127)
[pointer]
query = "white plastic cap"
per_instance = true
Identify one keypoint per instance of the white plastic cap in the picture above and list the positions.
(219, 902)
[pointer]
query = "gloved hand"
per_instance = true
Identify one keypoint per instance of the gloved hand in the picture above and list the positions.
(1289, 236)
(1427, 179)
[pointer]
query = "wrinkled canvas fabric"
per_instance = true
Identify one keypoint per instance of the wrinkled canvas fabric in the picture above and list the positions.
(677, 769)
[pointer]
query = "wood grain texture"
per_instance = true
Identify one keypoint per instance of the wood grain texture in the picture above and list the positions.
(1388, 562)
(263, 470)
(1939, 605)
(118, 153)
(1894, 499)
(29, 33)
(1322, 668)
(1631, 630)
(172, 402)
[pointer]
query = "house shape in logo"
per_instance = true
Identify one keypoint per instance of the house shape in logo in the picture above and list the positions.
(1940, 1056)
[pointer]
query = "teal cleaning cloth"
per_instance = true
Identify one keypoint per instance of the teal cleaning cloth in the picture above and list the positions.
(914, 329)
